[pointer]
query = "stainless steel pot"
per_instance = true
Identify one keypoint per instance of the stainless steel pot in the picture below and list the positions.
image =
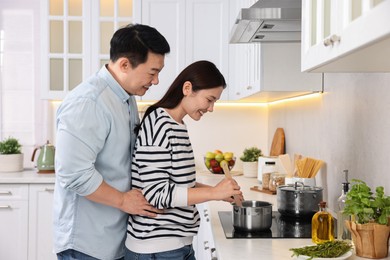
(252, 216)
(298, 200)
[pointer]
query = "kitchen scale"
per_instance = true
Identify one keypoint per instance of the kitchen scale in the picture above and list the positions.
(281, 227)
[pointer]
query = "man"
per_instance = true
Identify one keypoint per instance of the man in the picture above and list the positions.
(95, 140)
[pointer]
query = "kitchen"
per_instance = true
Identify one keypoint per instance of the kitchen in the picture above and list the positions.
(346, 125)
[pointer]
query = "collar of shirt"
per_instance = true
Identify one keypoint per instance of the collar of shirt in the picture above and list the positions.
(114, 85)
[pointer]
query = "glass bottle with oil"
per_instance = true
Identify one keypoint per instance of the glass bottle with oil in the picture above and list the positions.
(342, 231)
(322, 225)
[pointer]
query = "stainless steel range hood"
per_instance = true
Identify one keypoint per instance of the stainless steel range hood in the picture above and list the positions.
(268, 21)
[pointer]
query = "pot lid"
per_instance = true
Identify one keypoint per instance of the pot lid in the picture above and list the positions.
(300, 188)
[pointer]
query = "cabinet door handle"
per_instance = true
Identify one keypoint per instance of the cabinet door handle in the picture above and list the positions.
(49, 189)
(331, 40)
(206, 245)
(6, 192)
(213, 254)
(249, 87)
(5, 206)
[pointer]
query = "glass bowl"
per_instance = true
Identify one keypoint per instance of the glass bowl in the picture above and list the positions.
(214, 164)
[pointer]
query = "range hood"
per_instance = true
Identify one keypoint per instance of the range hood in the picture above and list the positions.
(268, 21)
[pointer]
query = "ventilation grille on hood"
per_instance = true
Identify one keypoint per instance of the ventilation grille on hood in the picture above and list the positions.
(268, 21)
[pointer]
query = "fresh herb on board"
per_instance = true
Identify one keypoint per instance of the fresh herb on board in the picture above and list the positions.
(327, 249)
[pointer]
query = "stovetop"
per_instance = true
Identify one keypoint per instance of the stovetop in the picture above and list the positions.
(281, 227)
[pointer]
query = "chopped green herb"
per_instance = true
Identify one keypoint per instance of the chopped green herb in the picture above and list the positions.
(327, 249)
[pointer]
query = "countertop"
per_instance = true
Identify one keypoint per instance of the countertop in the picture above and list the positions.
(229, 249)
(29, 175)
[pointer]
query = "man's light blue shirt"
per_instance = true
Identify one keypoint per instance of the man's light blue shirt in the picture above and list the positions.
(95, 138)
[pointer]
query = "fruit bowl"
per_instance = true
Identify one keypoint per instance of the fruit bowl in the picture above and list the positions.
(213, 161)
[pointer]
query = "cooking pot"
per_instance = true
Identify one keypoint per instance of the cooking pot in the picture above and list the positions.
(252, 216)
(298, 200)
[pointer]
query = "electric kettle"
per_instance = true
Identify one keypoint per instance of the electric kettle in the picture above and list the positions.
(45, 162)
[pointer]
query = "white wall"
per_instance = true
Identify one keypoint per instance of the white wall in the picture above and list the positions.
(229, 129)
(348, 127)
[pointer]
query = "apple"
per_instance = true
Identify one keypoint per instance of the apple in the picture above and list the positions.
(228, 156)
(218, 152)
(207, 163)
(219, 157)
(231, 163)
(216, 169)
(210, 155)
(214, 163)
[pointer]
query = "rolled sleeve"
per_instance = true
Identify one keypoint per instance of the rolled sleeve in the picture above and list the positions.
(77, 147)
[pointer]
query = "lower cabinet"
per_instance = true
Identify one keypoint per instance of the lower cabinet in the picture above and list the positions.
(40, 239)
(204, 245)
(26, 221)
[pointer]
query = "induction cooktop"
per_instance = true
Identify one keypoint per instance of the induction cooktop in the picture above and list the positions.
(281, 227)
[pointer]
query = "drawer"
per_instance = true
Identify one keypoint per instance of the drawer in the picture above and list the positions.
(13, 192)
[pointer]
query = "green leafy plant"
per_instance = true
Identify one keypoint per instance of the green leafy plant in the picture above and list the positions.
(251, 154)
(364, 206)
(10, 146)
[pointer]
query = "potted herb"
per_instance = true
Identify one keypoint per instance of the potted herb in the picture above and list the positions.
(369, 225)
(11, 156)
(250, 159)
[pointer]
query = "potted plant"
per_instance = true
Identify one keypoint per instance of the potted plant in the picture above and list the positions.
(11, 157)
(249, 160)
(369, 224)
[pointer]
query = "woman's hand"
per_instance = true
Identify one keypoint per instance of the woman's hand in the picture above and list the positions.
(226, 189)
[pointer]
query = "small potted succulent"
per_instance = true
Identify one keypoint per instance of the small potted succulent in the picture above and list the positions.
(11, 156)
(369, 225)
(249, 160)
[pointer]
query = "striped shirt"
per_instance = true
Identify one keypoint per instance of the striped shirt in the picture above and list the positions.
(163, 168)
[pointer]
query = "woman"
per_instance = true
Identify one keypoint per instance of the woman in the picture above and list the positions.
(164, 168)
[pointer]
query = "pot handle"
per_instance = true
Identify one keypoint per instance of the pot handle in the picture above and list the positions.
(299, 182)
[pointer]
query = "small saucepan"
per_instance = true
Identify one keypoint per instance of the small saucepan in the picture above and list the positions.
(252, 216)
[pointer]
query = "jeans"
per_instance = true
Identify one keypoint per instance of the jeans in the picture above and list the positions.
(184, 253)
(71, 254)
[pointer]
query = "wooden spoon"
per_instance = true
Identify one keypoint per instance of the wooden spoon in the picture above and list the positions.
(229, 176)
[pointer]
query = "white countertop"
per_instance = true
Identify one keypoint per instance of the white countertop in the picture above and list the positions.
(27, 176)
(229, 249)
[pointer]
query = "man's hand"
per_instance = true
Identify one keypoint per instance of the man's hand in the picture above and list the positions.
(135, 203)
(132, 202)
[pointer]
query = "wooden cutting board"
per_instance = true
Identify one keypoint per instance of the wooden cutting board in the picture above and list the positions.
(278, 143)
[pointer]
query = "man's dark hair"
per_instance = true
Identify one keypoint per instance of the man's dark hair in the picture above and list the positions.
(134, 41)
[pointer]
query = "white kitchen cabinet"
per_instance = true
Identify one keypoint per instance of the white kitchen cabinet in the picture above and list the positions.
(76, 40)
(26, 221)
(40, 239)
(346, 36)
(195, 30)
(204, 244)
(13, 221)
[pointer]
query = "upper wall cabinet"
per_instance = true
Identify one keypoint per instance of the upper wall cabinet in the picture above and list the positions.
(195, 29)
(346, 36)
(76, 40)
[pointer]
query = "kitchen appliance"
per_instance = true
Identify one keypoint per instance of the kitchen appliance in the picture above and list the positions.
(268, 21)
(261, 162)
(298, 200)
(45, 162)
(282, 227)
(252, 216)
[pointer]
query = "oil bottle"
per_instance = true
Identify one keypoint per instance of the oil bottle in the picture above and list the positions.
(342, 231)
(322, 225)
